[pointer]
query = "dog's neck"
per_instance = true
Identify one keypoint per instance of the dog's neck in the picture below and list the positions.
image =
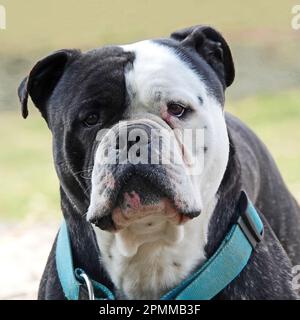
(158, 265)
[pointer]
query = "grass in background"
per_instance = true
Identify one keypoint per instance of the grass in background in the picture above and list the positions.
(35, 24)
(276, 120)
(29, 185)
(28, 182)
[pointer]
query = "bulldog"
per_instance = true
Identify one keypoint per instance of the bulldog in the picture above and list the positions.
(140, 227)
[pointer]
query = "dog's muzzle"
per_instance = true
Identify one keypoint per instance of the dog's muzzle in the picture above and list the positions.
(134, 176)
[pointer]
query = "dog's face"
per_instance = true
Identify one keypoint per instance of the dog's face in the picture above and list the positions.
(144, 95)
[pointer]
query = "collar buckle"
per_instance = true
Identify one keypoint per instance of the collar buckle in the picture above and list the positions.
(249, 228)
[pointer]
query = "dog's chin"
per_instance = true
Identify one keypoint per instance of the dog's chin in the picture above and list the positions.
(141, 208)
(136, 224)
(140, 204)
(142, 215)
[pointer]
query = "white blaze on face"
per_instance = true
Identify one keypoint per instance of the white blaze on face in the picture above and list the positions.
(159, 76)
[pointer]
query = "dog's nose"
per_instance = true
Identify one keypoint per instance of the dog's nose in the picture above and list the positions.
(134, 134)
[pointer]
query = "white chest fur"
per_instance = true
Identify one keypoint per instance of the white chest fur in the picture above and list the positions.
(158, 265)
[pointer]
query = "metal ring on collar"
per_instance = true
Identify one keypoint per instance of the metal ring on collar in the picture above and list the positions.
(89, 285)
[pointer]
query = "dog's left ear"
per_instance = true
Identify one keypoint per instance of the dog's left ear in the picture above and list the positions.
(211, 46)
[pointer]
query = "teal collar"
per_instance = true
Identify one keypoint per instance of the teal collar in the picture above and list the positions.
(210, 279)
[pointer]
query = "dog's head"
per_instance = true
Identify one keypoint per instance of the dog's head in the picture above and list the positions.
(139, 135)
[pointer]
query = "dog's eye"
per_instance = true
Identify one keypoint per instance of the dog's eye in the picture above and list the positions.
(91, 119)
(176, 109)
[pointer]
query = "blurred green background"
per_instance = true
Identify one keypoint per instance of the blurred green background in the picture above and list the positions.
(265, 94)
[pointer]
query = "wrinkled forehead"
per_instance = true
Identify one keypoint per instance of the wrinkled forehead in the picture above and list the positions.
(163, 71)
(137, 75)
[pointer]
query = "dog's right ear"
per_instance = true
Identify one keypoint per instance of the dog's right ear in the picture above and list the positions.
(43, 78)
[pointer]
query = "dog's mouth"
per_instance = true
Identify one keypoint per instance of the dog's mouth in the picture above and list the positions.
(139, 201)
(142, 204)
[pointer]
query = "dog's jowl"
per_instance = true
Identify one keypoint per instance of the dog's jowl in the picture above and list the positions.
(146, 208)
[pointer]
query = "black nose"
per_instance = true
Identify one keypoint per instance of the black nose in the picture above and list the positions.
(133, 134)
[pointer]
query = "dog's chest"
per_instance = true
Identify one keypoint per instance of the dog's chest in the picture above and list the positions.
(156, 267)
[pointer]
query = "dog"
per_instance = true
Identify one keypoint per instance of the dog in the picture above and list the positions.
(141, 229)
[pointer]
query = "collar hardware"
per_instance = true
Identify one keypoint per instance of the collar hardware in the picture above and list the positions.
(249, 220)
(249, 229)
(83, 278)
